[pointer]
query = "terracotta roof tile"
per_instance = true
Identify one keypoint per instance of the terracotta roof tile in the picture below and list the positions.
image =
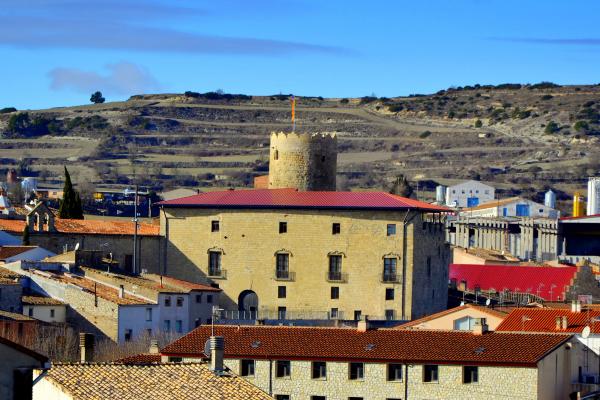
(90, 227)
(431, 317)
(383, 345)
(544, 320)
(548, 282)
(291, 198)
(41, 301)
(9, 316)
(11, 251)
(144, 358)
(113, 381)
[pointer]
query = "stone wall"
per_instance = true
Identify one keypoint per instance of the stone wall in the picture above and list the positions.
(249, 240)
(303, 161)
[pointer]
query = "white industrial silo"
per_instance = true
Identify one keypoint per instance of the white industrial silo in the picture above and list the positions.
(593, 204)
(550, 199)
(440, 194)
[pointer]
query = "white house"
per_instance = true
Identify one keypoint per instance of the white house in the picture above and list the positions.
(469, 194)
(511, 207)
(9, 254)
(45, 309)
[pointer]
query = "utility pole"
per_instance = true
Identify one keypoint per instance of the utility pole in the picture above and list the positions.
(135, 229)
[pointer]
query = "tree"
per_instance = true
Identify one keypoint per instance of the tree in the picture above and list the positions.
(401, 187)
(478, 124)
(97, 98)
(25, 239)
(552, 127)
(70, 206)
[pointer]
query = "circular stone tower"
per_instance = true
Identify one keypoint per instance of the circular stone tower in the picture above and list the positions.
(307, 162)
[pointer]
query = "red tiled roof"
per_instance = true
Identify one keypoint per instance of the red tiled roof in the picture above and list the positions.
(41, 301)
(544, 320)
(145, 358)
(383, 345)
(11, 251)
(181, 284)
(291, 198)
(525, 279)
(440, 314)
(90, 227)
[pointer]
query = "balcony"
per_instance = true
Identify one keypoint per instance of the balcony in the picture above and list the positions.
(390, 277)
(336, 276)
(217, 273)
(284, 275)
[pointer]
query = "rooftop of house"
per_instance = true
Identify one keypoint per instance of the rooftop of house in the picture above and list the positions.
(88, 227)
(188, 381)
(547, 282)
(7, 277)
(11, 251)
(102, 291)
(37, 356)
(10, 316)
(544, 320)
(143, 358)
(37, 300)
(294, 199)
(382, 345)
(480, 309)
(149, 281)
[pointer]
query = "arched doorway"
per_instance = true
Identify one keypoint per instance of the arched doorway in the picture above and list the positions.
(248, 302)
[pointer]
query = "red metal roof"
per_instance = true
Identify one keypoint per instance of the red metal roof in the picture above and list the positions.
(382, 345)
(291, 198)
(544, 320)
(546, 282)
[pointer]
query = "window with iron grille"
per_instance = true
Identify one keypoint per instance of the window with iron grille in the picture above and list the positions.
(335, 267)
(389, 269)
(283, 266)
(214, 263)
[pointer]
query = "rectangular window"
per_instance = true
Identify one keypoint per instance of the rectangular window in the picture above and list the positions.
(179, 301)
(336, 228)
(167, 301)
(470, 374)
(318, 398)
(199, 298)
(209, 298)
(148, 314)
(30, 312)
(214, 226)
(391, 229)
(179, 326)
(355, 398)
(52, 313)
(247, 368)
(281, 292)
(283, 369)
(319, 370)
(356, 371)
(334, 313)
(283, 266)
(430, 373)
(389, 269)
(167, 325)
(281, 311)
(357, 315)
(149, 332)
(394, 372)
(389, 315)
(128, 333)
(283, 227)
(335, 293)
(389, 293)
(214, 263)
(282, 397)
(429, 267)
(335, 268)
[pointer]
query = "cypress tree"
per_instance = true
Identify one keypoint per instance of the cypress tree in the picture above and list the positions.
(25, 238)
(401, 187)
(70, 206)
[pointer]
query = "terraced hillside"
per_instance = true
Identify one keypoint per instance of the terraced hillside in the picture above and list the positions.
(522, 139)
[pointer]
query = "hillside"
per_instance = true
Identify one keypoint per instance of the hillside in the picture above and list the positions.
(521, 139)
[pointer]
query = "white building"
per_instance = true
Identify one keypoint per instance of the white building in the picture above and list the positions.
(45, 309)
(511, 207)
(593, 203)
(9, 254)
(469, 194)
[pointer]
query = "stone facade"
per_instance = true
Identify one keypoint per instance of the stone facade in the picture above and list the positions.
(248, 242)
(303, 161)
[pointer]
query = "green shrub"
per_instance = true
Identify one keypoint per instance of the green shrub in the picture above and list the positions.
(7, 110)
(478, 124)
(552, 127)
(546, 97)
(395, 107)
(425, 134)
(581, 125)
(344, 101)
(544, 85)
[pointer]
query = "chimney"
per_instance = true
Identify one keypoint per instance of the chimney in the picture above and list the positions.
(565, 325)
(154, 349)
(573, 306)
(86, 347)
(480, 327)
(578, 306)
(217, 350)
(121, 291)
(363, 324)
(558, 323)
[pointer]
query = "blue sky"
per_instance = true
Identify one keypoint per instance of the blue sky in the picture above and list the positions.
(55, 52)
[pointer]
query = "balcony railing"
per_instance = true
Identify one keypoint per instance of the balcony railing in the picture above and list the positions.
(336, 276)
(217, 273)
(284, 275)
(390, 277)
